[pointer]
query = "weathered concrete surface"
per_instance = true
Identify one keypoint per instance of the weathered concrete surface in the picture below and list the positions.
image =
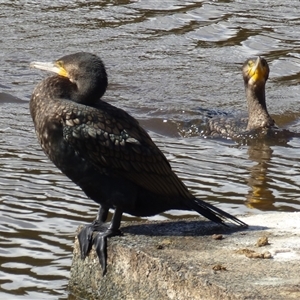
(183, 260)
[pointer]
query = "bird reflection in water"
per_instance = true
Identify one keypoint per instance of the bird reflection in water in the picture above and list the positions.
(241, 127)
(260, 195)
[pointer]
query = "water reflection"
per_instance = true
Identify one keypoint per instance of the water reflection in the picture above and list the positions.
(264, 193)
(260, 195)
(165, 59)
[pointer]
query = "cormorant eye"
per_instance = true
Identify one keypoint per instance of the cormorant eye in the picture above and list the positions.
(59, 63)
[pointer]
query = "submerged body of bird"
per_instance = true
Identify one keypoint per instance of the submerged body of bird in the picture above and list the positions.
(242, 127)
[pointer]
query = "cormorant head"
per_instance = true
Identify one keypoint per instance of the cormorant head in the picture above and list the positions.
(85, 72)
(256, 72)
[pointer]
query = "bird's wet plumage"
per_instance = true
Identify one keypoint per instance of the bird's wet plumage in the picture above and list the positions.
(105, 151)
(255, 75)
(242, 127)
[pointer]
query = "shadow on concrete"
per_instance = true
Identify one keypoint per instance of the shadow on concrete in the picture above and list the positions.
(183, 228)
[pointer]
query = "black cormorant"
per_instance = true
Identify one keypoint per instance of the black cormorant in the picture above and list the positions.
(105, 151)
(255, 74)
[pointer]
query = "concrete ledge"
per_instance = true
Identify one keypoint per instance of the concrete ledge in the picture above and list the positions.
(195, 259)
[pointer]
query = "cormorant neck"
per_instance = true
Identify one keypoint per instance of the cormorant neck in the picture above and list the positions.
(88, 91)
(257, 109)
(83, 92)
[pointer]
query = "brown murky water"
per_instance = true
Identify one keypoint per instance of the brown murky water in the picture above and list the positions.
(165, 60)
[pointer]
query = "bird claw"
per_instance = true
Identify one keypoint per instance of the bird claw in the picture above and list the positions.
(85, 237)
(86, 240)
(100, 243)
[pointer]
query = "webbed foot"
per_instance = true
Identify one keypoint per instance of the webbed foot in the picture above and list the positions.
(100, 243)
(85, 237)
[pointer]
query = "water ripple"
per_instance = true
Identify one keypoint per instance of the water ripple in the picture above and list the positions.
(165, 60)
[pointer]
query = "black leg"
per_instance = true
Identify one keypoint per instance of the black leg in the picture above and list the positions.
(116, 220)
(102, 214)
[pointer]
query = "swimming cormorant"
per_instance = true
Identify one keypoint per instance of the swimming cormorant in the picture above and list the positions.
(255, 74)
(105, 151)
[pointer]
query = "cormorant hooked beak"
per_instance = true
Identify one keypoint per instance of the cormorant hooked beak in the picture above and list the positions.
(55, 67)
(257, 71)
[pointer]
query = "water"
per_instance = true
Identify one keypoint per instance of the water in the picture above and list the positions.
(165, 60)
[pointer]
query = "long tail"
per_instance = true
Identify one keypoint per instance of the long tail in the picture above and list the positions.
(213, 213)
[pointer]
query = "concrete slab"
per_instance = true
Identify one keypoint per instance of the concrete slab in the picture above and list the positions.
(196, 259)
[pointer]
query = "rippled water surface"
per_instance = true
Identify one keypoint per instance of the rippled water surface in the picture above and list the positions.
(165, 60)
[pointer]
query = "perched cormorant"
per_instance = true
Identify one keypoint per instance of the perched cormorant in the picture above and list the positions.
(255, 74)
(105, 151)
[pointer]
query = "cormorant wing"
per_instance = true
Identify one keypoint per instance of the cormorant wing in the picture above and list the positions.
(113, 141)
